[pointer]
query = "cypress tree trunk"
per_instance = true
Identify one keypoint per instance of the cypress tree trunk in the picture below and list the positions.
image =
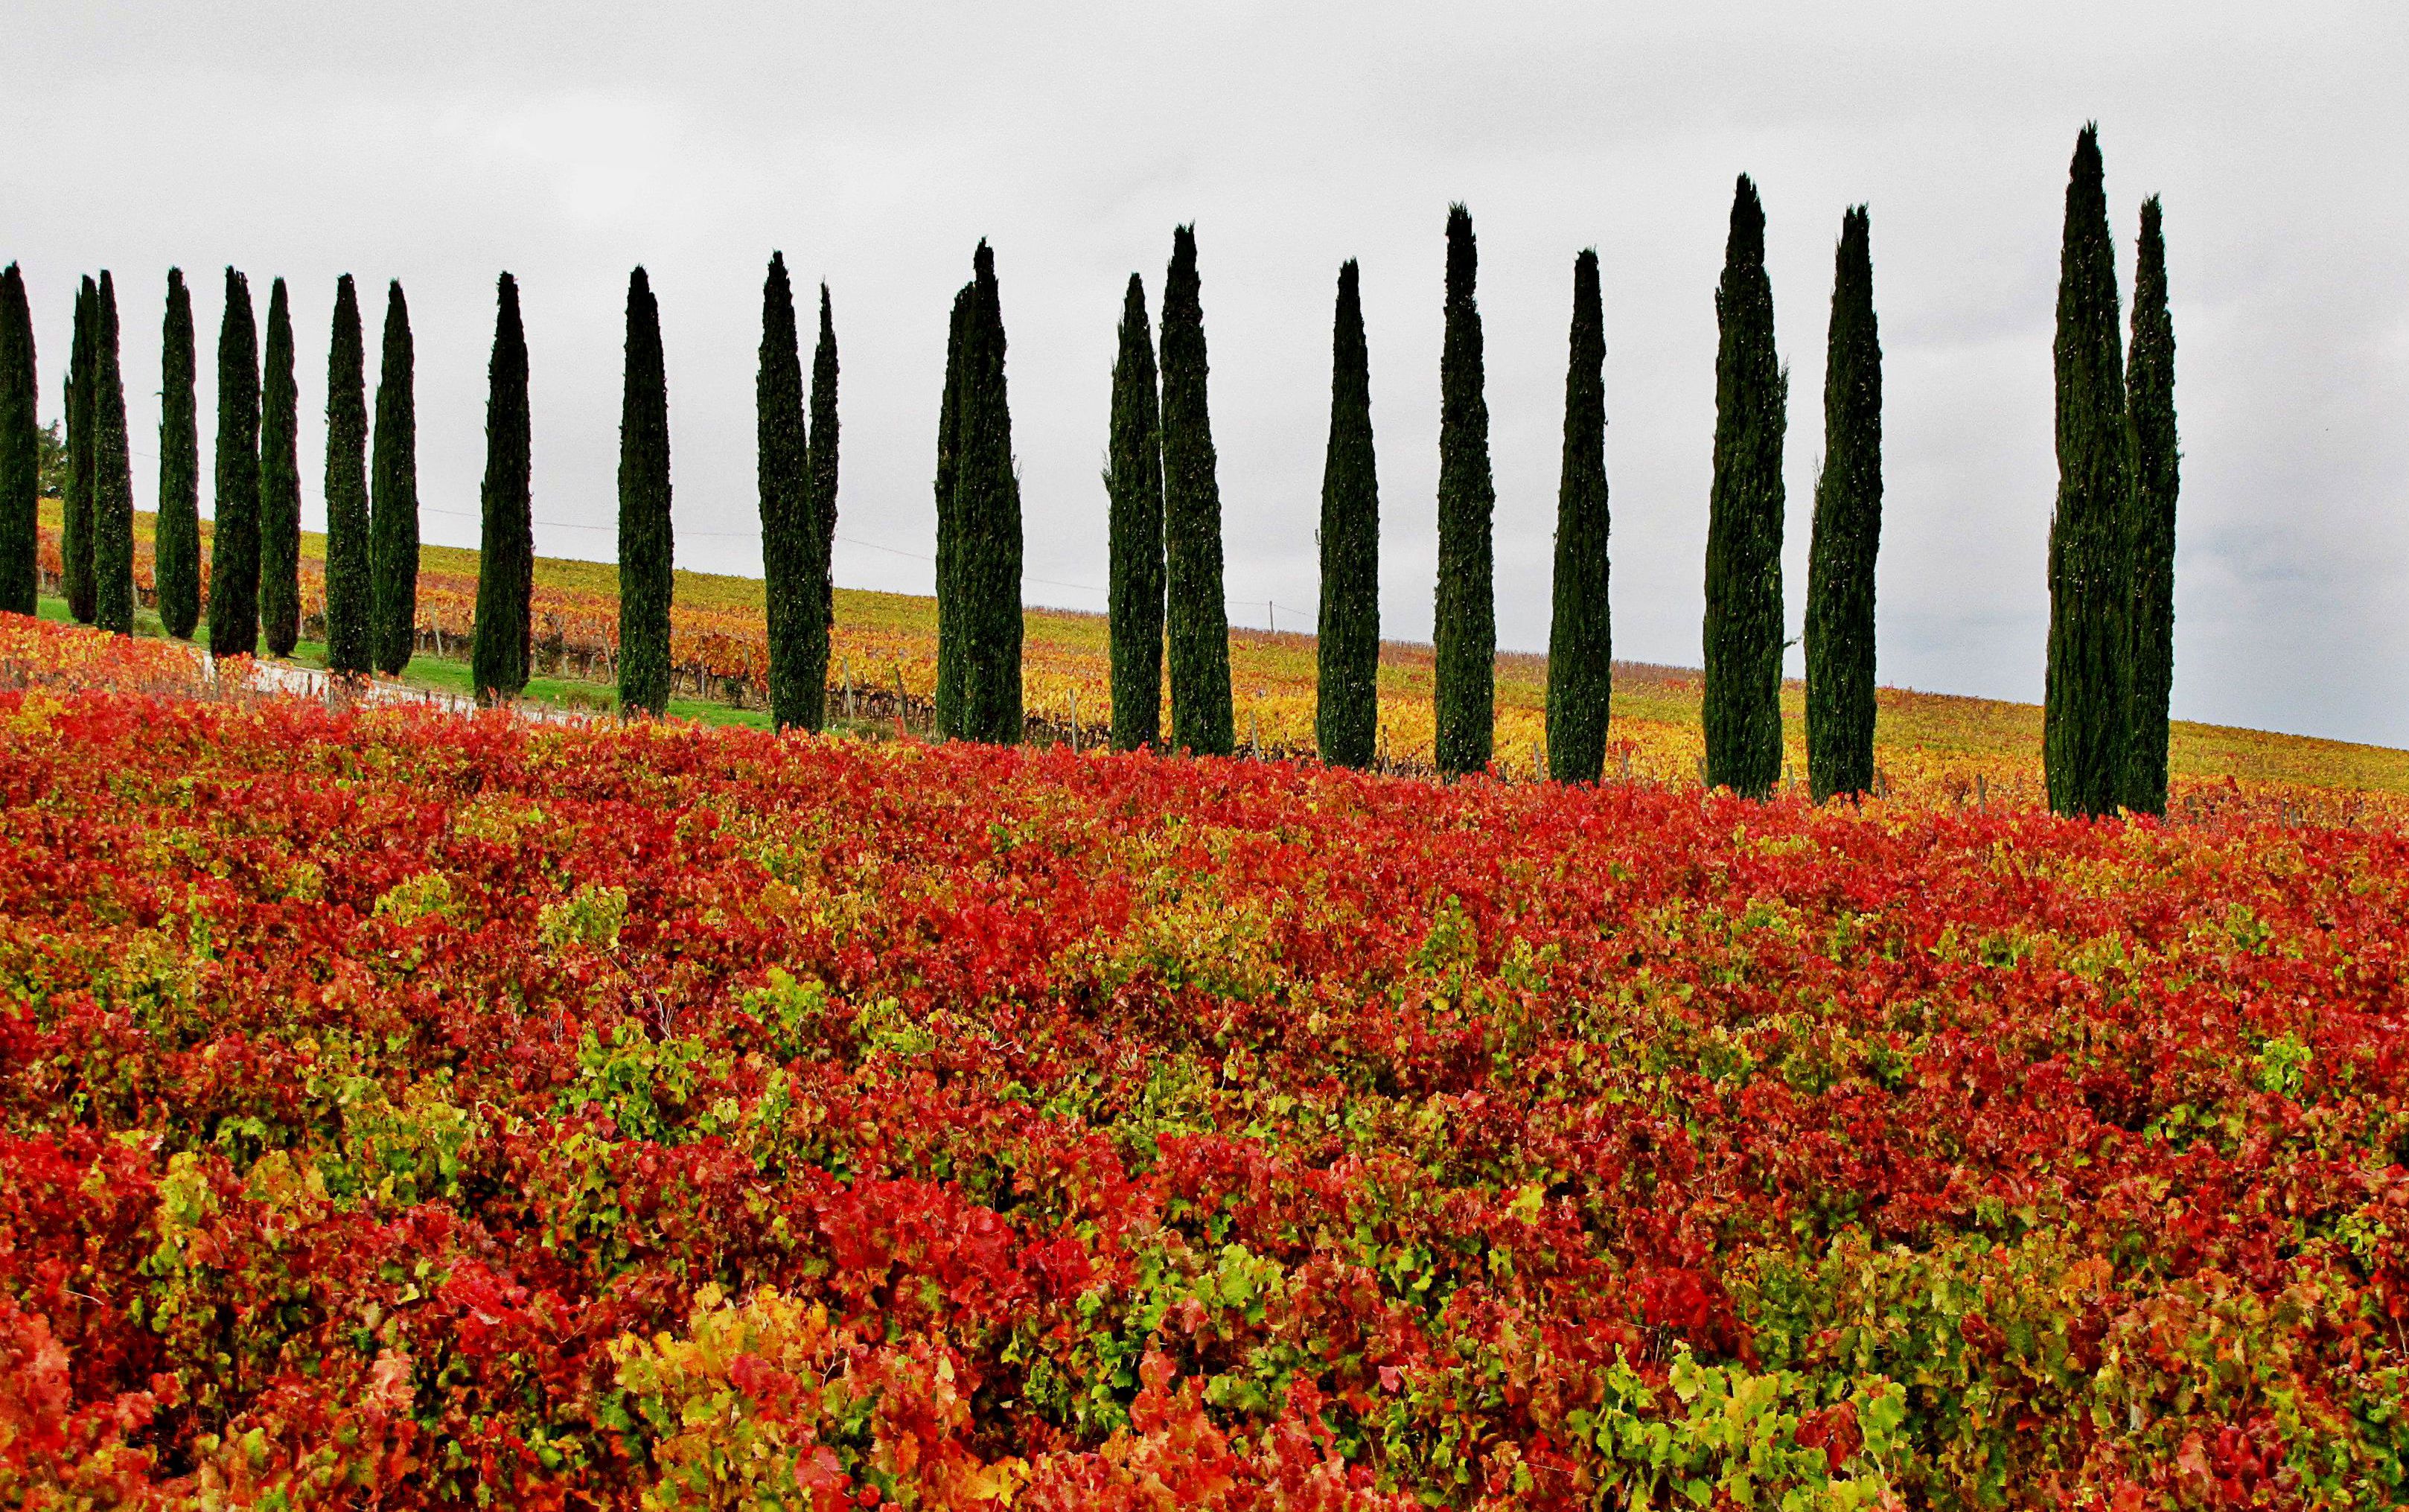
(1133, 485)
(1466, 608)
(986, 508)
(112, 494)
(75, 521)
(2083, 735)
(952, 609)
(280, 482)
(1581, 639)
(234, 547)
(1847, 530)
(1346, 678)
(21, 454)
(175, 556)
(2150, 530)
(1743, 625)
(394, 499)
(506, 543)
(782, 471)
(824, 475)
(351, 590)
(1198, 618)
(647, 548)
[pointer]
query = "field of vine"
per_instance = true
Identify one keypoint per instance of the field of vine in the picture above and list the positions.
(399, 1109)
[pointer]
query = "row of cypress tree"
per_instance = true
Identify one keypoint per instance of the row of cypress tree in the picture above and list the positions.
(254, 564)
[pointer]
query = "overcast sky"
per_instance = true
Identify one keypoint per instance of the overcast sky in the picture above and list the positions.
(441, 143)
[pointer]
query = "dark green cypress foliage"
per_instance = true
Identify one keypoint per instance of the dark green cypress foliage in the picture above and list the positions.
(351, 588)
(393, 521)
(646, 547)
(280, 482)
(782, 470)
(1197, 617)
(952, 609)
(75, 521)
(112, 492)
(1467, 608)
(176, 559)
(1743, 625)
(987, 509)
(1847, 530)
(506, 542)
(1133, 486)
(2150, 528)
(234, 546)
(1581, 638)
(2083, 735)
(20, 450)
(823, 473)
(1346, 677)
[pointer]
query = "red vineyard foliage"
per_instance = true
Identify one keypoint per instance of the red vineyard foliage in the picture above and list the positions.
(408, 1110)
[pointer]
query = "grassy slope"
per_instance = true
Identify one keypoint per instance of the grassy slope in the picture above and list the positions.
(1939, 740)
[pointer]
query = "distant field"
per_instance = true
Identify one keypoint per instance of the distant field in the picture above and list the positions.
(1931, 747)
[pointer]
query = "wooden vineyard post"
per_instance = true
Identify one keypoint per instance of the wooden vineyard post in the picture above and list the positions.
(1074, 720)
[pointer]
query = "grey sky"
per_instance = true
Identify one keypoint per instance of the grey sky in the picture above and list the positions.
(441, 143)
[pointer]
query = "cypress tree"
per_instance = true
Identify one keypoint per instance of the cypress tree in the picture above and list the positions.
(1466, 608)
(351, 589)
(1847, 530)
(75, 520)
(176, 557)
(506, 541)
(782, 469)
(20, 450)
(112, 491)
(987, 510)
(280, 482)
(823, 443)
(1197, 617)
(1346, 678)
(393, 521)
(2082, 737)
(1581, 638)
(234, 546)
(1133, 486)
(647, 548)
(1743, 625)
(952, 609)
(2150, 528)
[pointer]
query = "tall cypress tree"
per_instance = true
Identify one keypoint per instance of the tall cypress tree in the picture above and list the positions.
(234, 545)
(1467, 608)
(782, 470)
(1581, 639)
(1197, 617)
(506, 540)
(393, 519)
(647, 548)
(824, 472)
(2082, 726)
(952, 608)
(75, 520)
(21, 452)
(2150, 527)
(280, 482)
(1743, 625)
(1847, 530)
(1134, 488)
(1346, 677)
(112, 493)
(351, 588)
(175, 556)
(986, 508)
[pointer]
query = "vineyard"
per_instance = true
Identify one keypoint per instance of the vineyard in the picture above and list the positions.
(407, 1110)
